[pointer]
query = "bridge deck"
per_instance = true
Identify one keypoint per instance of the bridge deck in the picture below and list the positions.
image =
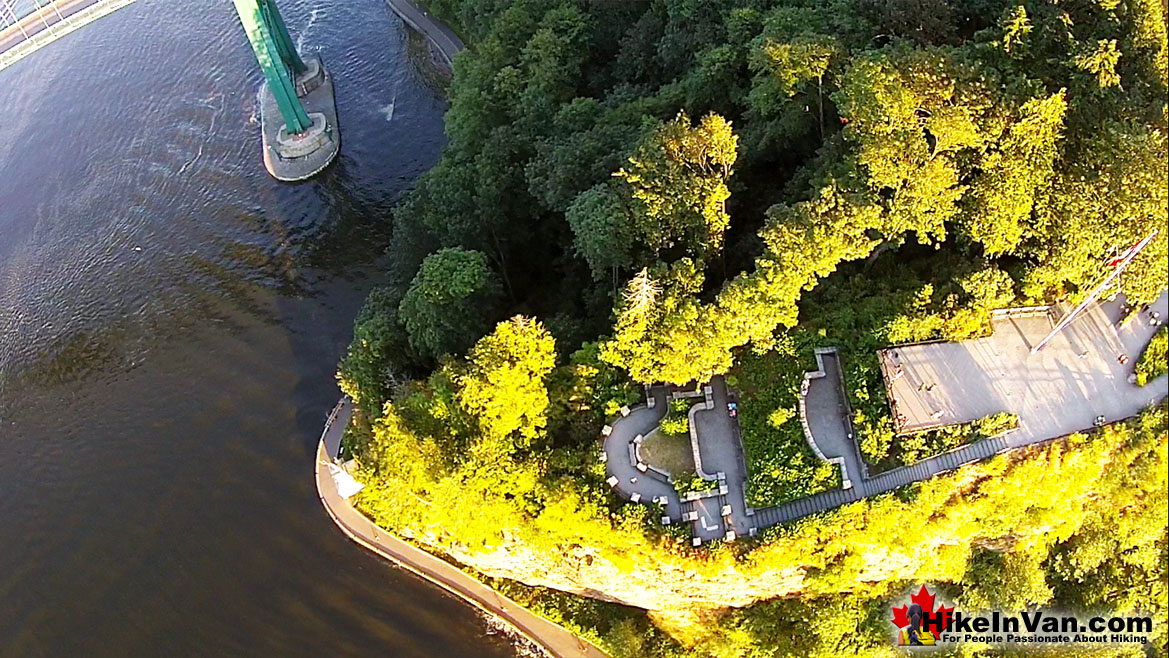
(22, 34)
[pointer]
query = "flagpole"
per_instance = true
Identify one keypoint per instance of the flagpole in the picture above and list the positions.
(1067, 319)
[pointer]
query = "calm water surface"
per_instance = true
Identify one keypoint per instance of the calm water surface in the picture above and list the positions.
(170, 320)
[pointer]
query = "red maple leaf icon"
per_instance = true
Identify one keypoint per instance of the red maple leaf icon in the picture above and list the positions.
(926, 601)
(900, 616)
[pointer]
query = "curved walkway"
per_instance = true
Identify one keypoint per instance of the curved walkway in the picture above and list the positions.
(447, 42)
(554, 639)
(625, 478)
(825, 416)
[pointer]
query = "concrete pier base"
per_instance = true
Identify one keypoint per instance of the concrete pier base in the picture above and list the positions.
(297, 157)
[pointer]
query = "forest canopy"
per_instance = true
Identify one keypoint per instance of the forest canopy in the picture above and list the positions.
(666, 190)
(676, 183)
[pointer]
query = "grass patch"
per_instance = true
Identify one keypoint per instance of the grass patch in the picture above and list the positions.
(670, 453)
(677, 420)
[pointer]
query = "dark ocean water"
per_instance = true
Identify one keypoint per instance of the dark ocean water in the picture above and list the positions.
(170, 321)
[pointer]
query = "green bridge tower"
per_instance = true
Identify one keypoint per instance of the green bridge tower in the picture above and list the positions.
(298, 113)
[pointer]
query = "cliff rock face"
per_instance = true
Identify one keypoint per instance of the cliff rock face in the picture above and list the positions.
(864, 547)
(654, 586)
(671, 589)
(813, 558)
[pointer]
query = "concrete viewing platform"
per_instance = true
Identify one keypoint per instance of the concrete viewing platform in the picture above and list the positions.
(1082, 374)
(720, 511)
(1083, 377)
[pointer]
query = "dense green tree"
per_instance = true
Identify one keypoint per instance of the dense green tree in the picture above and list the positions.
(958, 315)
(589, 140)
(503, 385)
(1016, 172)
(926, 21)
(791, 73)
(678, 180)
(375, 357)
(1148, 41)
(1111, 193)
(603, 229)
(450, 302)
(658, 309)
(1154, 360)
(902, 168)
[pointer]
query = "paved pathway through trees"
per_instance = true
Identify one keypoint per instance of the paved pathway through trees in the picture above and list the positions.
(824, 412)
(1056, 392)
(447, 42)
(720, 453)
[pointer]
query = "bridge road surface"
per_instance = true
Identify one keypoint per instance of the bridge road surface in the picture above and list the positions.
(49, 18)
(35, 23)
(555, 639)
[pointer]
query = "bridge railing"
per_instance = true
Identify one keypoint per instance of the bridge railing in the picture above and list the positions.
(23, 32)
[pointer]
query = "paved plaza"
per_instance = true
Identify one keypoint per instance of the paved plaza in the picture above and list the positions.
(1077, 377)
(1062, 389)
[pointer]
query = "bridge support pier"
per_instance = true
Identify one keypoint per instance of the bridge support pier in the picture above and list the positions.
(298, 110)
(293, 156)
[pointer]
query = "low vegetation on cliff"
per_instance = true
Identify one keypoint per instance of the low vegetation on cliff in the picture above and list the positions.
(1154, 360)
(639, 192)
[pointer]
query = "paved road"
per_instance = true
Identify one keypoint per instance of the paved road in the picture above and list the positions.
(556, 640)
(440, 35)
(1055, 393)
